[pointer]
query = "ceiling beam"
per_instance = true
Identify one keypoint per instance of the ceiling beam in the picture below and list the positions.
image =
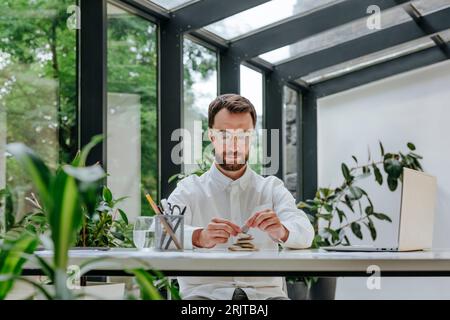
(362, 46)
(303, 26)
(380, 71)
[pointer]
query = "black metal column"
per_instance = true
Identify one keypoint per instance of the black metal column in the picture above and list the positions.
(309, 154)
(229, 73)
(92, 76)
(273, 118)
(171, 101)
(299, 191)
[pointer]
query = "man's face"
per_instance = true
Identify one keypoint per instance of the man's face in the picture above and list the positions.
(231, 137)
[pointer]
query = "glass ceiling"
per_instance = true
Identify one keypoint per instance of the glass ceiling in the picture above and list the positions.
(172, 4)
(350, 31)
(248, 21)
(373, 59)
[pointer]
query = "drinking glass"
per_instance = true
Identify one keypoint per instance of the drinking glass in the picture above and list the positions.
(144, 232)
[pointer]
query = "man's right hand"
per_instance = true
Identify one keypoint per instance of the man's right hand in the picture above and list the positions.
(217, 231)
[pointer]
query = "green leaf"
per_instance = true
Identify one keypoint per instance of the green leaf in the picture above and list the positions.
(325, 216)
(341, 215)
(356, 229)
(382, 216)
(145, 282)
(12, 258)
(334, 234)
(356, 193)
(393, 167)
(107, 195)
(118, 235)
(411, 146)
(65, 217)
(381, 149)
(346, 172)
(372, 229)
(369, 210)
(356, 160)
(80, 159)
(348, 203)
(378, 176)
(415, 155)
(123, 215)
(392, 183)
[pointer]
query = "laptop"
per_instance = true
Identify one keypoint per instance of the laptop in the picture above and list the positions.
(418, 201)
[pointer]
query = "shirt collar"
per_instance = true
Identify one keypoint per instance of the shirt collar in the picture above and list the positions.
(226, 182)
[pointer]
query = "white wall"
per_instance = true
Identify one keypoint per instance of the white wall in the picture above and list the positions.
(411, 107)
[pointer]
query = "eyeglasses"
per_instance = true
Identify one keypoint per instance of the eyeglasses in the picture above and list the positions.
(230, 135)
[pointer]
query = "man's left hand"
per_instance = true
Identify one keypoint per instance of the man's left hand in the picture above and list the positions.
(269, 222)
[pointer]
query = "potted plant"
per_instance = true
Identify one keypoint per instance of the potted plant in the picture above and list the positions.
(331, 208)
(63, 196)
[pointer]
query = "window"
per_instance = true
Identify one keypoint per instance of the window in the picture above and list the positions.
(200, 88)
(132, 123)
(350, 31)
(251, 82)
(38, 94)
(263, 15)
(290, 141)
(172, 4)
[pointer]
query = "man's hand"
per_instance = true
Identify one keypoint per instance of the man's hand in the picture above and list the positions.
(269, 222)
(217, 231)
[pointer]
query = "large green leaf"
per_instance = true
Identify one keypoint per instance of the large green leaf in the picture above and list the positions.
(65, 218)
(12, 258)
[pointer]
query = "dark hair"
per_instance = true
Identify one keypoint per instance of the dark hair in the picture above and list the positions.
(234, 103)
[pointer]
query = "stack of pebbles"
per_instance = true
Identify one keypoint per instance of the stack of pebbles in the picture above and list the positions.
(243, 243)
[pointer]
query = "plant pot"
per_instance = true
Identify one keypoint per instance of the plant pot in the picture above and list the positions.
(323, 289)
(297, 290)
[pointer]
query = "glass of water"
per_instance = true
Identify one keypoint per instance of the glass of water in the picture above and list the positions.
(144, 232)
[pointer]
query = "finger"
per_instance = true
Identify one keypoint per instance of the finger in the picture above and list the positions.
(219, 233)
(236, 228)
(262, 217)
(220, 240)
(271, 228)
(251, 220)
(221, 226)
(268, 222)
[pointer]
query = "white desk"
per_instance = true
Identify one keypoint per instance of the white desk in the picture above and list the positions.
(261, 263)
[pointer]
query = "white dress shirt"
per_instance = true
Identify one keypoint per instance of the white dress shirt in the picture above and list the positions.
(215, 195)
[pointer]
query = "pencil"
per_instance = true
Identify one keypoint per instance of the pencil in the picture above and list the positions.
(167, 227)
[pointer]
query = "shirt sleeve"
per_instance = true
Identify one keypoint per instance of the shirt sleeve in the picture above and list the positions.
(301, 231)
(180, 197)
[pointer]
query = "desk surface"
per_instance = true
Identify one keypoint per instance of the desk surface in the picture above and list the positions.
(261, 263)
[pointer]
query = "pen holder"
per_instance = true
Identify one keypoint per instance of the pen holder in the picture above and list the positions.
(169, 232)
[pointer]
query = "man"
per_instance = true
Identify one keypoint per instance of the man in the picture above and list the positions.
(224, 198)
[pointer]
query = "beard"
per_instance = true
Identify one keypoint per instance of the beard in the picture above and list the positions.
(234, 165)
